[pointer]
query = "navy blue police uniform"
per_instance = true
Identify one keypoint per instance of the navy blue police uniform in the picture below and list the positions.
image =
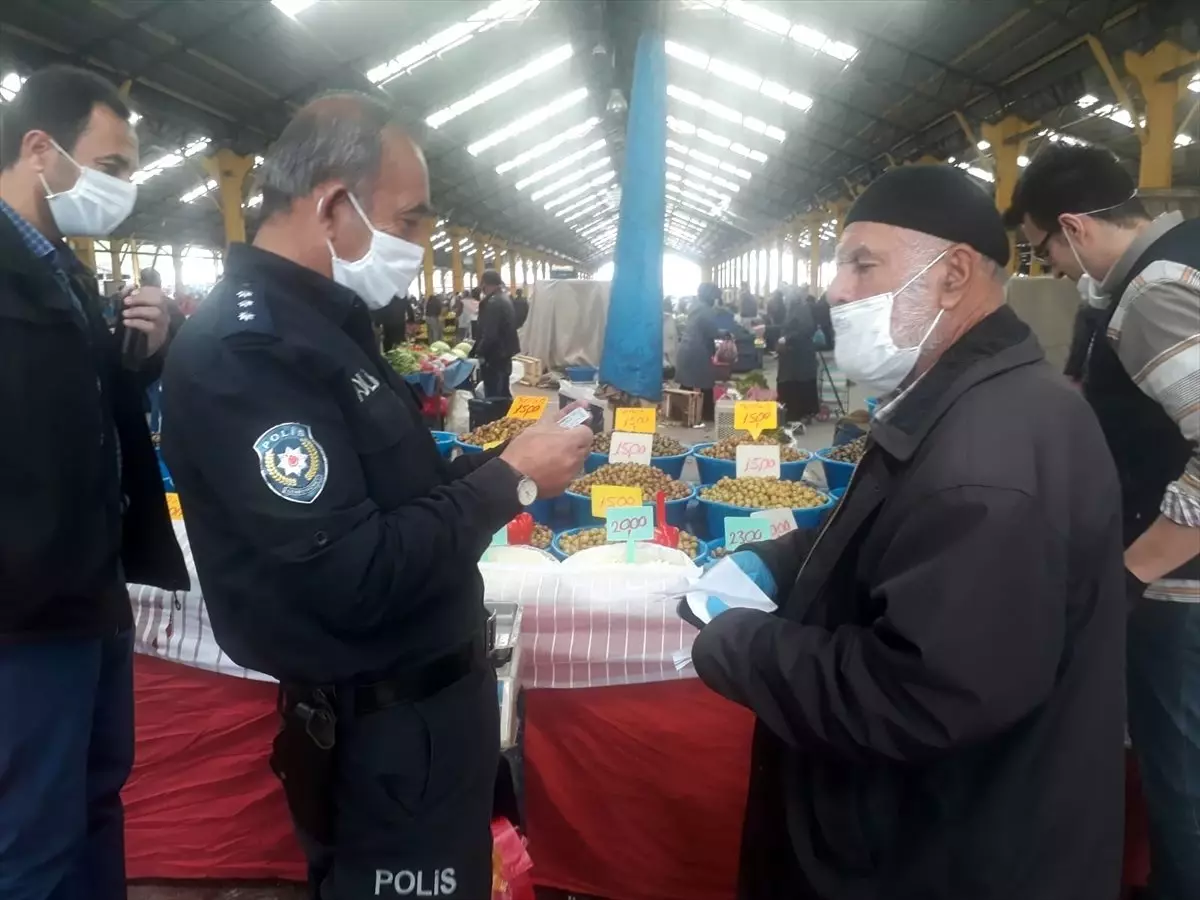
(337, 552)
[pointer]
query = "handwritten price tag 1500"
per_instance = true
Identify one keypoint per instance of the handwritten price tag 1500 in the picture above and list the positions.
(526, 407)
(635, 523)
(606, 495)
(636, 418)
(755, 416)
(626, 447)
(745, 530)
(757, 460)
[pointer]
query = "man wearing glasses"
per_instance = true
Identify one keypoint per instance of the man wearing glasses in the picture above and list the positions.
(1078, 208)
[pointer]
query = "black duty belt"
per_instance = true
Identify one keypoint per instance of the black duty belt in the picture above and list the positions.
(419, 683)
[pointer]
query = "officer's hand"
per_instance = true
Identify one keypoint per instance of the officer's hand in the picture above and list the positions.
(146, 311)
(549, 454)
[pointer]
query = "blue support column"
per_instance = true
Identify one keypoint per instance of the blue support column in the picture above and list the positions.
(632, 357)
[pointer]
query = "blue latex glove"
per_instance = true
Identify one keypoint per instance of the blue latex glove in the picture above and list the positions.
(754, 568)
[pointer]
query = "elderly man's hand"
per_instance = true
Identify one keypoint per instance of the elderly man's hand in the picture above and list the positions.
(146, 311)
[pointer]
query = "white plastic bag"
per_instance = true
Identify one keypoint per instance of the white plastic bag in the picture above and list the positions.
(458, 416)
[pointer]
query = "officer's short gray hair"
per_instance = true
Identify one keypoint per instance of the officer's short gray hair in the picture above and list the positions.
(335, 136)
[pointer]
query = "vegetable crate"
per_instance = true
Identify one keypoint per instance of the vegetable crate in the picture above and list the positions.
(683, 406)
(534, 369)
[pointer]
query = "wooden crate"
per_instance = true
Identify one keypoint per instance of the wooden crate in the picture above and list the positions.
(534, 369)
(686, 407)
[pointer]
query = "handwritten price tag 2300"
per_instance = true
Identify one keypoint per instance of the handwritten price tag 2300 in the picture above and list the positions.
(781, 520)
(755, 416)
(636, 418)
(635, 523)
(745, 530)
(606, 495)
(527, 407)
(758, 461)
(626, 447)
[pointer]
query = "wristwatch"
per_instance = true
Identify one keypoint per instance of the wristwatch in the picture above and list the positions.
(527, 490)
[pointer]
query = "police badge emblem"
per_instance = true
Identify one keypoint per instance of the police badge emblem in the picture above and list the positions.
(291, 462)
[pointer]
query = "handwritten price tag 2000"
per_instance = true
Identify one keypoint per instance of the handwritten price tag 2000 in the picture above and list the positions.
(757, 461)
(632, 448)
(636, 418)
(527, 407)
(755, 416)
(781, 521)
(633, 524)
(606, 495)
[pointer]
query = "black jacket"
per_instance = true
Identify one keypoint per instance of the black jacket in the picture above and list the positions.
(940, 697)
(333, 542)
(78, 516)
(497, 340)
(797, 355)
(1087, 320)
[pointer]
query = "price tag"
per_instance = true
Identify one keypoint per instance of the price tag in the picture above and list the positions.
(574, 417)
(490, 444)
(606, 495)
(757, 460)
(640, 419)
(745, 530)
(755, 416)
(781, 520)
(626, 447)
(634, 523)
(174, 508)
(526, 407)
(500, 538)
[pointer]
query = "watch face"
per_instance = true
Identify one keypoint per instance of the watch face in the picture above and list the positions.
(526, 491)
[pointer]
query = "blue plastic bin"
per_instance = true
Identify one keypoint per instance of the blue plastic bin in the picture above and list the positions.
(581, 509)
(672, 465)
(445, 441)
(576, 374)
(713, 470)
(837, 473)
(557, 550)
(715, 513)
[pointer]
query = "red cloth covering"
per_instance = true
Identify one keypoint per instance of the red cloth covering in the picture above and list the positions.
(636, 792)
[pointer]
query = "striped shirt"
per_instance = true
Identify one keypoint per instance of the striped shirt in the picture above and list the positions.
(1156, 331)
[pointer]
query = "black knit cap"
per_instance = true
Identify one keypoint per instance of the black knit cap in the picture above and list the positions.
(935, 199)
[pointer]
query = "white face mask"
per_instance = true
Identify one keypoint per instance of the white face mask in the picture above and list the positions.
(385, 270)
(95, 206)
(864, 348)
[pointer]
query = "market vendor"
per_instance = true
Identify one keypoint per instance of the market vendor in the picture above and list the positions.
(940, 694)
(338, 551)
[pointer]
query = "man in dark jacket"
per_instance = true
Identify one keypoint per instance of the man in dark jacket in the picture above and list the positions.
(940, 693)
(797, 379)
(498, 342)
(520, 307)
(82, 508)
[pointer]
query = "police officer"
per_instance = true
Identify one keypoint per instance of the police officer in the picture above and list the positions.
(337, 550)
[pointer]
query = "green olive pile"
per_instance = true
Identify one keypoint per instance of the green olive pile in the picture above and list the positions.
(764, 493)
(851, 452)
(718, 552)
(648, 478)
(727, 448)
(501, 430)
(571, 544)
(663, 445)
(542, 536)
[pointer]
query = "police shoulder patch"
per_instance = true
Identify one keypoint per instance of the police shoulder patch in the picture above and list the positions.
(291, 462)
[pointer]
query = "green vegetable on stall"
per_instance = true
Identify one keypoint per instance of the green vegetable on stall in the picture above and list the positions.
(403, 360)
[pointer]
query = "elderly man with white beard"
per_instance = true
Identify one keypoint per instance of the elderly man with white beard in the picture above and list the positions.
(939, 694)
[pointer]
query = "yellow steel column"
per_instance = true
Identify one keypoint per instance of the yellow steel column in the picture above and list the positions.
(456, 262)
(1008, 138)
(1160, 73)
(177, 262)
(114, 255)
(85, 251)
(229, 170)
(480, 245)
(838, 209)
(779, 279)
(135, 263)
(814, 251)
(427, 262)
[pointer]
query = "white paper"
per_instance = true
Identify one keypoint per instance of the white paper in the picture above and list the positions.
(630, 447)
(782, 521)
(727, 582)
(757, 461)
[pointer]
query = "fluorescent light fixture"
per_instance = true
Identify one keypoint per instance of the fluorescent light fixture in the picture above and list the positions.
(197, 192)
(739, 76)
(556, 186)
(680, 126)
(502, 85)
(292, 8)
(170, 161)
(568, 160)
(577, 191)
(984, 146)
(10, 85)
(546, 146)
(1194, 84)
(1022, 160)
(448, 38)
(533, 119)
(599, 195)
(256, 200)
(1184, 140)
(981, 174)
(1087, 101)
(764, 20)
(134, 118)
(258, 161)
(585, 211)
